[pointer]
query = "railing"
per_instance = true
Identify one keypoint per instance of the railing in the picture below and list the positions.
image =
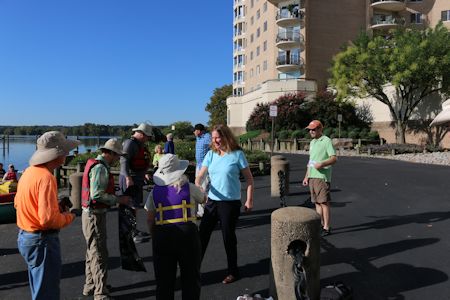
(295, 14)
(293, 59)
(63, 173)
(387, 20)
(293, 145)
(376, 1)
(289, 36)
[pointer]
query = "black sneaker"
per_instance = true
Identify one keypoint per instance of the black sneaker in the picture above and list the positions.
(325, 232)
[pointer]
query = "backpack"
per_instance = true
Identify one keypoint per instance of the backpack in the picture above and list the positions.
(336, 291)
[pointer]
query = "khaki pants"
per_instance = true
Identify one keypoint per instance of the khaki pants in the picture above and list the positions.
(94, 231)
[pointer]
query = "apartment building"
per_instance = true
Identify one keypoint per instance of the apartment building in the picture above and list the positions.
(282, 46)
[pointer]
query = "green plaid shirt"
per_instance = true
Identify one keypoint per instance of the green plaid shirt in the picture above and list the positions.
(99, 179)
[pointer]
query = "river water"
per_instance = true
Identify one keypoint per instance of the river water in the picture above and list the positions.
(20, 149)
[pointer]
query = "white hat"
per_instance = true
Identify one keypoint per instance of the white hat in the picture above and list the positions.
(114, 146)
(50, 146)
(170, 169)
(145, 128)
(444, 116)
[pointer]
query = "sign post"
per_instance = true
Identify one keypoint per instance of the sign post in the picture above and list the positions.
(272, 113)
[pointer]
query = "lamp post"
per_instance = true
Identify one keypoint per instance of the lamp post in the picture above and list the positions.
(272, 113)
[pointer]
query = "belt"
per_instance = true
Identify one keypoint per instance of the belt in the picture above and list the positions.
(43, 232)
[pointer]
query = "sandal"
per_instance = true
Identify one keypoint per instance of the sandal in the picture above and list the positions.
(229, 279)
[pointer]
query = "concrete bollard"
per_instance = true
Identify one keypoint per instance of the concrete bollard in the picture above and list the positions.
(290, 225)
(278, 163)
(75, 190)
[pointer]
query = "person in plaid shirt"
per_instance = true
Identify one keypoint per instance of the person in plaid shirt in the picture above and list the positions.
(203, 140)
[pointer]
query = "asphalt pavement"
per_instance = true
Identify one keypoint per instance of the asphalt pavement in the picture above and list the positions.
(390, 239)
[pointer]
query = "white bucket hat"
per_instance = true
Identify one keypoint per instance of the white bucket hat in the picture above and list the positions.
(114, 146)
(50, 146)
(444, 116)
(145, 128)
(170, 169)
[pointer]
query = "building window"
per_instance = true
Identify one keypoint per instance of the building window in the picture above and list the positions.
(252, 20)
(252, 2)
(251, 73)
(258, 14)
(257, 51)
(257, 70)
(251, 55)
(258, 32)
(265, 7)
(265, 65)
(265, 46)
(416, 18)
(445, 15)
(265, 26)
(251, 38)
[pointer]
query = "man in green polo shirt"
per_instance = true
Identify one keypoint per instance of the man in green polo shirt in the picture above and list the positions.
(318, 173)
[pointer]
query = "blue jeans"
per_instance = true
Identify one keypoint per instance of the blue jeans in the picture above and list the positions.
(42, 253)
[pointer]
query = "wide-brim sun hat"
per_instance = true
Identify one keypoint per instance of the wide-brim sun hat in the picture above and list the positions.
(113, 145)
(170, 169)
(144, 128)
(50, 146)
(444, 116)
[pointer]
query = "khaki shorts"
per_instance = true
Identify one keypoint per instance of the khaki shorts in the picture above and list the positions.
(320, 190)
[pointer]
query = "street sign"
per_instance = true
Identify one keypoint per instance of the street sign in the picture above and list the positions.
(339, 118)
(273, 111)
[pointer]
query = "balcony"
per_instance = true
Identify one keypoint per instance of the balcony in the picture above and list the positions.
(286, 18)
(389, 5)
(289, 40)
(289, 63)
(276, 2)
(386, 22)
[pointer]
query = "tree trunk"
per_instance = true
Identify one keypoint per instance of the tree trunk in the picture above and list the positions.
(400, 132)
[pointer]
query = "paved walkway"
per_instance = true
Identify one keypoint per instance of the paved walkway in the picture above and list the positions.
(390, 239)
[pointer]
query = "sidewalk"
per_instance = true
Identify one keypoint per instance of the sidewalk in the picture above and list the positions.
(390, 223)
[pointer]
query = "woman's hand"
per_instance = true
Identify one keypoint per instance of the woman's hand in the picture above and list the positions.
(248, 206)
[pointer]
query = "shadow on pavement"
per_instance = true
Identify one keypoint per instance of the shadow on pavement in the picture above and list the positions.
(395, 220)
(262, 267)
(372, 282)
(8, 251)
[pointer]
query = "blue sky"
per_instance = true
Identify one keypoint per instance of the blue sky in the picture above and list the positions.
(116, 62)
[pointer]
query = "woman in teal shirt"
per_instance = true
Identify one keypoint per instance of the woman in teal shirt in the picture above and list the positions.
(224, 163)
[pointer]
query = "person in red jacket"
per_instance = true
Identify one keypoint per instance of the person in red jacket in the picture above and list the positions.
(133, 171)
(97, 195)
(11, 174)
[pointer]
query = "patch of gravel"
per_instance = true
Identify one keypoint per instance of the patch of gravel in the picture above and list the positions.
(434, 158)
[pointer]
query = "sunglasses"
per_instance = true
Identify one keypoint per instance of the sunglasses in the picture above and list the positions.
(313, 129)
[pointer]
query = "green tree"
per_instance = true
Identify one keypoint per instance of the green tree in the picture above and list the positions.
(400, 70)
(217, 107)
(182, 129)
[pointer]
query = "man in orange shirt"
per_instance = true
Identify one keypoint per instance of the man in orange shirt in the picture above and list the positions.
(39, 216)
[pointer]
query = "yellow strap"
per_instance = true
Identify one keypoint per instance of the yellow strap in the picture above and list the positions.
(183, 206)
(179, 206)
(179, 220)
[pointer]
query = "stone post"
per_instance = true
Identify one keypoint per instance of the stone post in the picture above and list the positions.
(302, 226)
(278, 163)
(75, 190)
